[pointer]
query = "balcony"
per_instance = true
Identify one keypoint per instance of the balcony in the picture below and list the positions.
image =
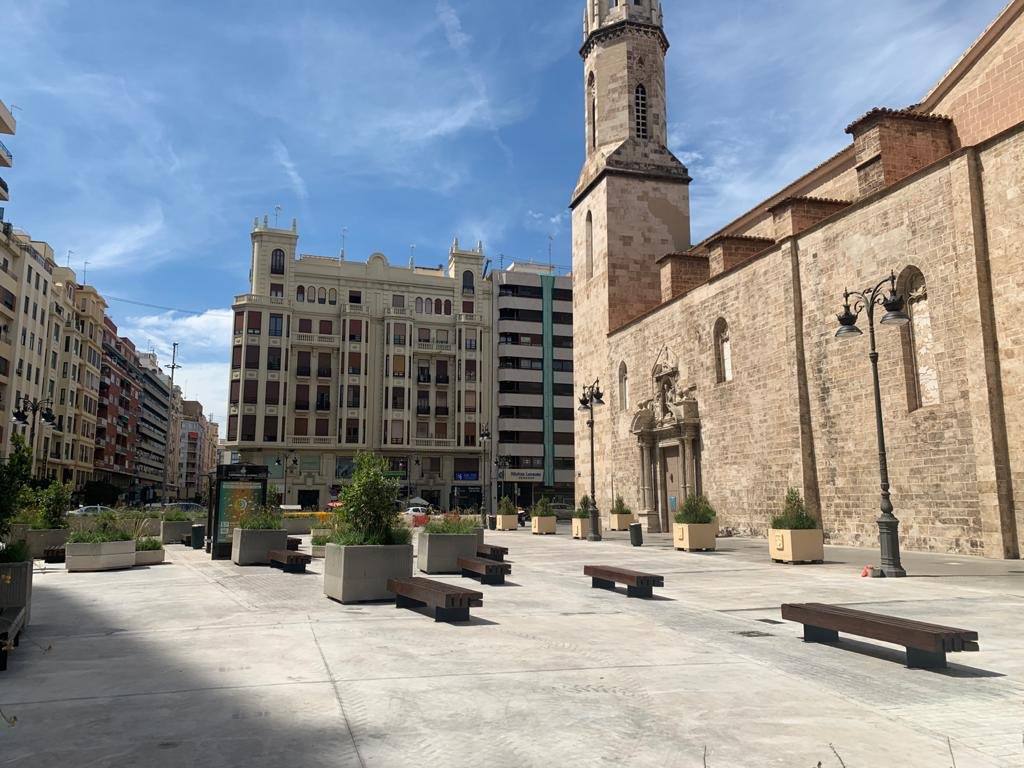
(6, 158)
(323, 405)
(433, 346)
(396, 312)
(466, 317)
(441, 410)
(4, 191)
(442, 379)
(423, 378)
(303, 371)
(432, 442)
(7, 122)
(318, 340)
(323, 373)
(423, 409)
(266, 301)
(468, 290)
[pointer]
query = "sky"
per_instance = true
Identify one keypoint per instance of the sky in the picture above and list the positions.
(151, 132)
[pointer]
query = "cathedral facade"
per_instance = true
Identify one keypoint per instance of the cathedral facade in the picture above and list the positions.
(719, 360)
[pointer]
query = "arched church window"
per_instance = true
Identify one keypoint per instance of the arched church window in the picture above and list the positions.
(640, 111)
(300, 294)
(723, 352)
(590, 245)
(919, 364)
(623, 387)
(277, 262)
(592, 110)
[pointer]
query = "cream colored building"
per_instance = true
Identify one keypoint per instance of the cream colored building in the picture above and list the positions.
(7, 125)
(333, 357)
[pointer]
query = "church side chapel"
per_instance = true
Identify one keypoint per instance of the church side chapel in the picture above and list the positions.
(720, 357)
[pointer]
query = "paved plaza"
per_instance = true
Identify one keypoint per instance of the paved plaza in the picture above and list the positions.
(208, 664)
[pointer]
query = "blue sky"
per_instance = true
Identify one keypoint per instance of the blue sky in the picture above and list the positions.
(150, 132)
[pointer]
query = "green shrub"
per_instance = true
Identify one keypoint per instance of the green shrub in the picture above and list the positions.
(98, 536)
(148, 544)
(506, 507)
(620, 508)
(451, 524)
(542, 508)
(175, 515)
(54, 502)
(319, 541)
(261, 518)
(15, 552)
(696, 510)
(583, 510)
(14, 476)
(794, 515)
(370, 513)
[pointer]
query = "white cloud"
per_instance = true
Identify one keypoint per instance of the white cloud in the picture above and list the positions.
(284, 159)
(457, 38)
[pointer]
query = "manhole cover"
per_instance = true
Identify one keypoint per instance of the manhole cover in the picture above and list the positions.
(770, 621)
(752, 633)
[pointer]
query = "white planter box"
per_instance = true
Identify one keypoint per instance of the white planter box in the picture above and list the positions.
(694, 536)
(360, 574)
(105, 556)
(580, 527)
(251, 547)
(440, 552)
(507, 523)
(800, 546)
(618, 522)
(543, 526)
(173, 531)
(150, 557)
(319, 550)
(44, 538)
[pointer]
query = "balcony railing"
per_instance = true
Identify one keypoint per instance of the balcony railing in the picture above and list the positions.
(323, 405)
(441, 410)
(303, 370)
(443, 379)
(323, 373)
(423, 378)
(423, 409)
(5, 154)
(302, 406)
(432, 442)
(251, 298)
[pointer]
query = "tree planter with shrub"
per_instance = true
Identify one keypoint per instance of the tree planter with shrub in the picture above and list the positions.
(795, 536)
(149, 551)
(175, 526)
(299, 523)
(542, 519)
(49, 517)
(15, 555)
(696, 526)
(259, 532)
(581, 519)
(372, 543)
(621, 516)
(507, 518)
(442, 542)
(318, 545)
(107, 547)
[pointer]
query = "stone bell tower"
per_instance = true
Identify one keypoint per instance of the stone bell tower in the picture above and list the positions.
(631, 205)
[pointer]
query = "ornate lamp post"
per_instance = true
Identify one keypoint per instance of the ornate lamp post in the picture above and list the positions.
(592, 396)
(27, 410)
(501, 463)
(292, 461)
(485, 440)
(866, 301)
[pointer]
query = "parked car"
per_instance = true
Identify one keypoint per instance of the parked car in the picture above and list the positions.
(562, 511)
(418, 511)
(95, 509)
(188, 507)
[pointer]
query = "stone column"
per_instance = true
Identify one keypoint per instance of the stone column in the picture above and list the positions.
(684, 475)
(691, 464)
(659, 487)
(645, 477)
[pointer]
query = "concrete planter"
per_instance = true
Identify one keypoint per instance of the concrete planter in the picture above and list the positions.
(440, 552)
(694, 536)
(360, 574)
(321, 531)
(299, 526)
(250, 547)
(319, 550)
(507, 522)
(618, 522)
(802, 546)
(580, 527)
(173, 531)
(105, 556)
(150, 557)
(43, 539)
(16, 587)
(19, 532)
(479, 535)
(544, 526)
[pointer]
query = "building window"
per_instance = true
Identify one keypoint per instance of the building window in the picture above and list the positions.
(589, 246)
(398, 302)
(326, 327)
(428, 307)
(467, 283)
(419, 305)
(276, 291)
(919, 364)
(723, 352)
(321, 296)
(355, 297)
(332, 296)
(300, 294)
(640, 111)
(623, 387)
(592, 110)
(310, 295)
(448, 306)
(276, 325)
(277, 262)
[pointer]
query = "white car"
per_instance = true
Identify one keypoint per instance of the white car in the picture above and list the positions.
(96, 509)
(418, 510)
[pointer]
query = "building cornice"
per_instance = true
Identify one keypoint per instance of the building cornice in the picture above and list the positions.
(665, 176)
(620, 29)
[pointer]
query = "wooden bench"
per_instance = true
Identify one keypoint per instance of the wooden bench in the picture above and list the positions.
(489, 571)
(288, 560)
(12, 621)
(293, 543)
(638, 584)
(926, 644)
(54, 555)
(448, 602)
(491, 552)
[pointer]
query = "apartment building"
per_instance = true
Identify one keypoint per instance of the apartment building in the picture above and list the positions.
(332, 357)
(198, 453)
(153, 426)
(118, 414)
(75, 357)
(7, 126)
(534, 397)
(174, 487)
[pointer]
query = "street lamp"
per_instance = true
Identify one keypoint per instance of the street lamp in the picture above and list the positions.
(592, 396)
(27, 410)
(866, 301)
(501, 463)
(291, 462)
(485, 439)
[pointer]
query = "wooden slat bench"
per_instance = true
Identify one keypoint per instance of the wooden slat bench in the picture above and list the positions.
(54, 555)
(447, 601)
(489, 571)
(12, 621)
(289, 560)
(926, 644)
(293, 543)
(638, 584)
(491, 552)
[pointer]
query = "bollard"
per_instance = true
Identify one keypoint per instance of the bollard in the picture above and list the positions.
(198, 534)
(636, 534)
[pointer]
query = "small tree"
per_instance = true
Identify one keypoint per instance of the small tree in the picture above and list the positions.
(14, 476)
(583, 510)
(506, 507)
(697, 510)
(620, 508)
(370, 513)
(54, 503)
(542, 508)
(794, 515)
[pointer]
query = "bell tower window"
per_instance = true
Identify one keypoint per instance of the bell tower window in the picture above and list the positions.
(592, 111)
(640, 112)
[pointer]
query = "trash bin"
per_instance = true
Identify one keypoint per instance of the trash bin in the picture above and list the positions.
(636, 534)
(198, 536)
(492, 522)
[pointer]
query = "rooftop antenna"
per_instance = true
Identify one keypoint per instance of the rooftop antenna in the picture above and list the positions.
(344, 238)
(69, 258)
(501, 262)
(412, 256)
(85, 271)
(172, 367)
(277, 212)
(551, 243)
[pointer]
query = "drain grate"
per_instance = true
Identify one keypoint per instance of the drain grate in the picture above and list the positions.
(771, 621)
(753, 633)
